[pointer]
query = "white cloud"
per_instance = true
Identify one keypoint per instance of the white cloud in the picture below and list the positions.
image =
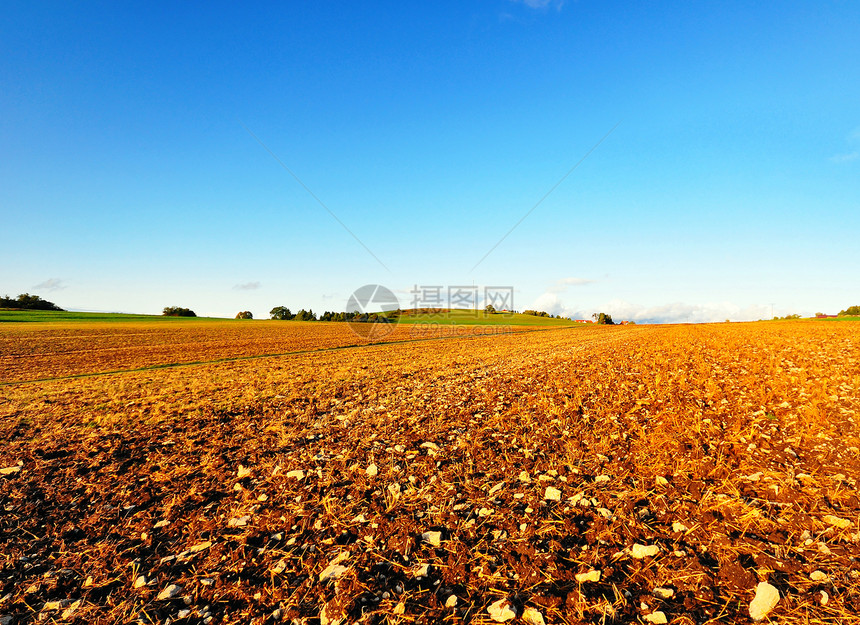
(845, 158)
(247, 286)
(542, 4)
(853, 138)
(51, 284)
(677, 312)
(562, 285)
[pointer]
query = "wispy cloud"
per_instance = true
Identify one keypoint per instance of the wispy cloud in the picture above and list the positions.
(676, 312)
(562, 285)
(51, 284)
(247, 286)
(853, 138)
(845, 158)
(542, 4)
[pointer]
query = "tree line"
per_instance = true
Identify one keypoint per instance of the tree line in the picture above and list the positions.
(283, 313)
(25, 301)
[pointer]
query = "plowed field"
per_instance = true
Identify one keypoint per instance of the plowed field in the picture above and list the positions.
(591, 475)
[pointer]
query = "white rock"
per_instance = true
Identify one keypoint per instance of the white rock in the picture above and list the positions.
(279, 567)
(658, 618)
(243, 472)
(824, 597)
(766, 598)
(140, 582)
(661, 481)
(429, 445)
(296, 474)
(818, 576)
(242, 521)
(590, 576)
(422, 570)
(434, 539)
(679, 527)
(501, 611)
(601, 479)
(533, 617)
(183, 613)
(451, 601)
(334, 570)
(552, 494)
(485, 512)
(169, 593)
(641, 551)
(372, 470)
(664, 593)
(524, 477)
(835, 521)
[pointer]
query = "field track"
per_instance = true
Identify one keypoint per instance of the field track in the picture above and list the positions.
(433, 481)
(41, 351)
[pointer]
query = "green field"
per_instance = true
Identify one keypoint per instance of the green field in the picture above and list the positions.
(7, 314)
(480, 318)
(455, 317)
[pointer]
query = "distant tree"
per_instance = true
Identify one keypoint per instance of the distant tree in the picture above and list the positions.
(851, 311)
(176, 311)
(245, 314)
(603, 319)
(490, 309)
(305, 315)
(25, 301)
(281, 313)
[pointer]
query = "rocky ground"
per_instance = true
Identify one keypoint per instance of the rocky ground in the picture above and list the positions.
(668, 474)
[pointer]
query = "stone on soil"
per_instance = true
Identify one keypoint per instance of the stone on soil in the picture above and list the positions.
(501, 611)
(642, 551)
(766, 598)
(169, 593)
(590, 576)
(835, 521)
(533, 617)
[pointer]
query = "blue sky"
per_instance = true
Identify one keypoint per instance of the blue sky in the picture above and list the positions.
(129, 180)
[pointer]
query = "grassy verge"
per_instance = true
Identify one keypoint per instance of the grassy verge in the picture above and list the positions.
(480, 318)
(29, 316)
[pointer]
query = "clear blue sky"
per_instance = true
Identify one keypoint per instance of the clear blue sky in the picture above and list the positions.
(128, 180)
